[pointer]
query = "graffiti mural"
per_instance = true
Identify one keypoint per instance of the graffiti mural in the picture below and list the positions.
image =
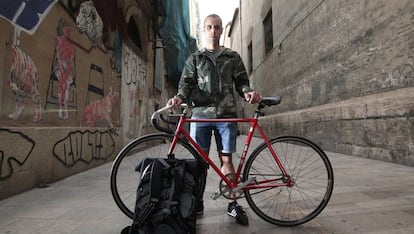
(135, 69)
(134, 76)
(64, 66)
(49, 81)
(100, 111)
(84, 146)
(25, 15)
(24, 81)
(90, 23)
(133, 112)
(11, 159)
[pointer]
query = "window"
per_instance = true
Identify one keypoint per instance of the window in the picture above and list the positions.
(250, 58)
(133, 33)
(268, 32)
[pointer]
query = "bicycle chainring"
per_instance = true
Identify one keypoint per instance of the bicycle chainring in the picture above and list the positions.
(225, 190)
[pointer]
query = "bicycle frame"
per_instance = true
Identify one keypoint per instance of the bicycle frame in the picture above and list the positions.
(290, 193)
(254, 124)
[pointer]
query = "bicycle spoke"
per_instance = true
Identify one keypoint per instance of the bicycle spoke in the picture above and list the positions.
(308, 191)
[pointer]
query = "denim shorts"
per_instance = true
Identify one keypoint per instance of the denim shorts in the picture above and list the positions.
(224, 132)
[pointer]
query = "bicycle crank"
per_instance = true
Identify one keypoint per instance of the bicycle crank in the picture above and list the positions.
(225, 191)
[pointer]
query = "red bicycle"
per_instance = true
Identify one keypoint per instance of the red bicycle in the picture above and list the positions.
(286, 180)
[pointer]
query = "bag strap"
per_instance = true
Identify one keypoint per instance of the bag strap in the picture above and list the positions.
(178, 175)
(155, 190)
(156, 179)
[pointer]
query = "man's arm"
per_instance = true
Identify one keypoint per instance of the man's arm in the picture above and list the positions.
(188, 80)
(187, 83)
(242, 83)
(241, 78)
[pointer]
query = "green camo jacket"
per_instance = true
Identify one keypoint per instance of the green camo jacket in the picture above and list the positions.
(210, 87)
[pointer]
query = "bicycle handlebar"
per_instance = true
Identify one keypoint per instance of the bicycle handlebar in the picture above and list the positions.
(159, 113)
(266, 101)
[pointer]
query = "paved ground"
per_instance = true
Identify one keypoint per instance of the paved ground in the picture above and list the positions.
(369, 197)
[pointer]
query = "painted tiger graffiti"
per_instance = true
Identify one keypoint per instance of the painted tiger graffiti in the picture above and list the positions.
(24, 82)
(100, 111)
(90, 23)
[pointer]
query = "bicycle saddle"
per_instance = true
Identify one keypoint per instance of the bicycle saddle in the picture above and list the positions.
(271, 101)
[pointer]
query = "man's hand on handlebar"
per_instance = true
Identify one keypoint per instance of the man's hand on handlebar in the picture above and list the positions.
(253, 97)
(175, 101)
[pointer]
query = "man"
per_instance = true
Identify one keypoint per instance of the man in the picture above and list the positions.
(207, 83)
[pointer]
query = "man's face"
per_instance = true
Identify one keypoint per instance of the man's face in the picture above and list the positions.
(213, 28)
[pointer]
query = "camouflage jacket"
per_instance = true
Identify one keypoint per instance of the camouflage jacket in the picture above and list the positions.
(210, 87)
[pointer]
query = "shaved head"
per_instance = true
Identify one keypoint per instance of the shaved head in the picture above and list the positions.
(213, 16)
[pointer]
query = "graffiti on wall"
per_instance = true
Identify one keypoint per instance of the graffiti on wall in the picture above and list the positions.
(134, 75)
(100, 110)
(84, 146)
(90, 23)
(133, 113)
(24, 82)
(25, 15)
(63, 67)
(68, 59)
(135, 69)
(11, 159)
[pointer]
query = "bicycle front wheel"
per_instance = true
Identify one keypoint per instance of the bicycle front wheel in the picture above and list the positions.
(124, 177)
(311, 187)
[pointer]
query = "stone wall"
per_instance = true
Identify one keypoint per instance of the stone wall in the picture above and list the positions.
(345, 70)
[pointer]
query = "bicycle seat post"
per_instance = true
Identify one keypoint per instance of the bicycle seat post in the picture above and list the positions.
(258, 112)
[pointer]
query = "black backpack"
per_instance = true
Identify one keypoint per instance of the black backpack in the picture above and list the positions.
(167, 197)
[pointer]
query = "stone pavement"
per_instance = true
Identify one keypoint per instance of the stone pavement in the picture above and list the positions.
(369, 197)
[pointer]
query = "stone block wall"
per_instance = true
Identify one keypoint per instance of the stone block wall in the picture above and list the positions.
(345, 70)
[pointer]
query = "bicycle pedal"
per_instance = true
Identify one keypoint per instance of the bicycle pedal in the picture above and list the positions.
(215, 195)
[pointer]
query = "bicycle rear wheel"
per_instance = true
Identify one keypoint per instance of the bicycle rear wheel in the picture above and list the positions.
(124, 178)
(312, 177)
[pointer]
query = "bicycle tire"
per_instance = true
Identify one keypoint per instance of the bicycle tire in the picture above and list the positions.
(124, 178)
(311, 171)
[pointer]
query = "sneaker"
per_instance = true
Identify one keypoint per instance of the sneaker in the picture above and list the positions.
(236, 211)
(200, 208)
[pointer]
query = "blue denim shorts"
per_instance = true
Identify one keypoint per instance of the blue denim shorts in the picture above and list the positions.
(224, 132)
